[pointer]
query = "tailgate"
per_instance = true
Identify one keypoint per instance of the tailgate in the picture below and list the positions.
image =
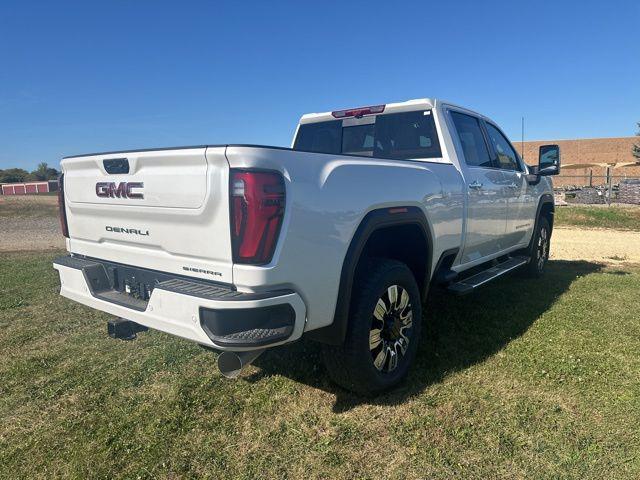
(165, 210)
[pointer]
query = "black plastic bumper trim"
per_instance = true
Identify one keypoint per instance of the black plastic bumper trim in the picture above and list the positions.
(248, 327)
(215, 292)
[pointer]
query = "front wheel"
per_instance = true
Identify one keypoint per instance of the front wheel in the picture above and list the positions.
(383, 330)
(539, 252)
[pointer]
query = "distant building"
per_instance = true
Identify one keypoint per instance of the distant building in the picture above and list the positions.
(29, 188)
(595, 153)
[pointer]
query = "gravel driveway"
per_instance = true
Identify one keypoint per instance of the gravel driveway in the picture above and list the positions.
(19, 234)
(607, 246)
(29, 223)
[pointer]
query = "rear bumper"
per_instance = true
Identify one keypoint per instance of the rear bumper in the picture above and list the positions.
(206, 313)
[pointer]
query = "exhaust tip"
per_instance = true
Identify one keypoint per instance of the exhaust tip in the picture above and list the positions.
(229, 364)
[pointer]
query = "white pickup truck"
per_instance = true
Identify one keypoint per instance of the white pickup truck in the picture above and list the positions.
(339, 238)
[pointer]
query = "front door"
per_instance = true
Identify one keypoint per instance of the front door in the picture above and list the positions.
(487, 200)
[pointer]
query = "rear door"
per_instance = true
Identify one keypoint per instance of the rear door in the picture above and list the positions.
(521, 205)
(165, 210)
(487, 206)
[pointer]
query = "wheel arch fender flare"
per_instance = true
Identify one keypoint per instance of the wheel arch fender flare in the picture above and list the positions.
(545, 199)
(373, 221)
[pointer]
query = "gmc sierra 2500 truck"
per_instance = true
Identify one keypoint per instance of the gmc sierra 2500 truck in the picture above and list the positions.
(339, 238)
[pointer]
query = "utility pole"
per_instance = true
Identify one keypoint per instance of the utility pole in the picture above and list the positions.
(522, 140)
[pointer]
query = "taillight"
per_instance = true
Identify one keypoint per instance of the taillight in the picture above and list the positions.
(257, 208)
(61, 211)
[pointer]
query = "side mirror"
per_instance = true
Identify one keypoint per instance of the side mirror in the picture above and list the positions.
(549, 160)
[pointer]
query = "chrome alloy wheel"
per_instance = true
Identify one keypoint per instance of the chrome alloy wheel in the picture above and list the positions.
(542, 250)
(390, 328)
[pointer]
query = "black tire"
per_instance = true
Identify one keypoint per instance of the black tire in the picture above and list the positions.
(539, 250)
(352, 365)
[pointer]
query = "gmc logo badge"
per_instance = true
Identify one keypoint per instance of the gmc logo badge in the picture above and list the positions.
(120, 190)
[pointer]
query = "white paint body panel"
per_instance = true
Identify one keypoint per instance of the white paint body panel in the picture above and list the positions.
(327, 198)
(185, 211)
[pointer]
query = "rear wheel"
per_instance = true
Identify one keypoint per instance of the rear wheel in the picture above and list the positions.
(539, 252)
(383, 331)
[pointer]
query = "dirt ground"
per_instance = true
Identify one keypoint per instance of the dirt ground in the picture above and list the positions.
(31, 223)
(30, 234)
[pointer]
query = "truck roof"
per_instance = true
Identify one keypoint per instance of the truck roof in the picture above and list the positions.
(407, 106)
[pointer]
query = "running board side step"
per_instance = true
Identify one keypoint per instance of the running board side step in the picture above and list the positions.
(469, 284)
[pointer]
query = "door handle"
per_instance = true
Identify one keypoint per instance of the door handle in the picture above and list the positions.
(476, 185)
(513, 186)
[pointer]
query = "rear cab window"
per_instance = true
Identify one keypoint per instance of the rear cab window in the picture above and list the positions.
(401, 136)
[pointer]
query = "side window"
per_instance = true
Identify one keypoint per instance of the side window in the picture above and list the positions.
(474, 147)
(407, 135)
(507, 158)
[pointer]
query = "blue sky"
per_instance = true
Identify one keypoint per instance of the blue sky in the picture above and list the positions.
(89, 76)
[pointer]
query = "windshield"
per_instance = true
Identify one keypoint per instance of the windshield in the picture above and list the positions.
(395, 135)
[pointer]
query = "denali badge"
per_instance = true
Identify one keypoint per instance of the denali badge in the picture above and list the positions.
(122, 190)
(133, 231)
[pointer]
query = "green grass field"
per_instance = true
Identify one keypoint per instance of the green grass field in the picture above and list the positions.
(524, 379)
(613, 217)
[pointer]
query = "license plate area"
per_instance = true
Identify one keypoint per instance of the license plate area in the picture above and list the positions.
(132, 287)
(135, 282)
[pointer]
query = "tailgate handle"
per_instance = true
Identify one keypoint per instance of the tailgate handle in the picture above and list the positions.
(116, 165)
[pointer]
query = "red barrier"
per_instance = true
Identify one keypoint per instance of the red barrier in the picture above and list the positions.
(30, 188)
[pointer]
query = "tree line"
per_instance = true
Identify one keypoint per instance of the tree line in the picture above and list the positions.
(17, 175)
